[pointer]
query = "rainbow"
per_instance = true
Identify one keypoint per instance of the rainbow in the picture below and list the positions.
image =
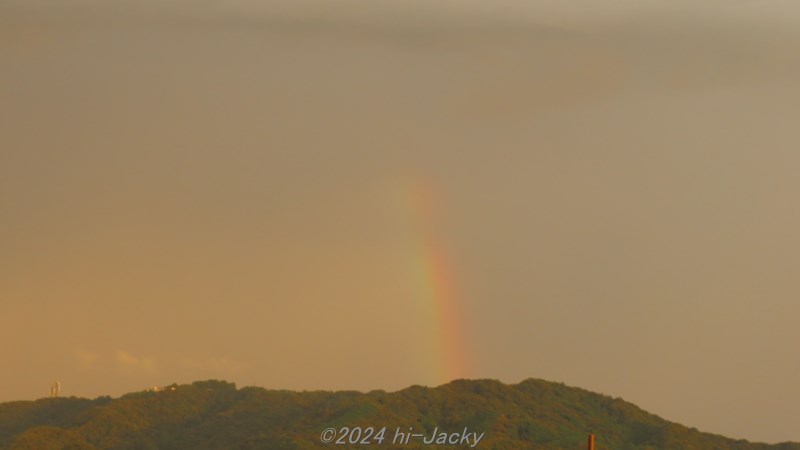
(437, 298)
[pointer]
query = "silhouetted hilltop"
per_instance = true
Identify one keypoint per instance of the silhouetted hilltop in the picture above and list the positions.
(215, 415)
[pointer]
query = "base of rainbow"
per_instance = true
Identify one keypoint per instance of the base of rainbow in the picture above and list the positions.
(437, 298)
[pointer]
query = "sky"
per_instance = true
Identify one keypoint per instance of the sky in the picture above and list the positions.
(368, 195)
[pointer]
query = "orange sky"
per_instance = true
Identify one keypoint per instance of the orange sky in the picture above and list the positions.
(215, 191)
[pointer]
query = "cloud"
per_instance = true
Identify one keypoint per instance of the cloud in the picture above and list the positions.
(128, 362)
(85, 359)
(215, 365)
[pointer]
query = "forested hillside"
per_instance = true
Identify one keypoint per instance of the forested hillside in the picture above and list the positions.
(533, 414)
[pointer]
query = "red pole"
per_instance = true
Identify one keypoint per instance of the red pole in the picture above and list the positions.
(591, 441)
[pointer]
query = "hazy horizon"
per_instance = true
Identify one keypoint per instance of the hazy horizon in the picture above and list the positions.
(350, 195)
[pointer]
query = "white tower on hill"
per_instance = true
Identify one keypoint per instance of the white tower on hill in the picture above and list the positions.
(55, 389)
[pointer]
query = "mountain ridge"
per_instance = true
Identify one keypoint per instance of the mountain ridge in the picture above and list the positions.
(214, 414)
